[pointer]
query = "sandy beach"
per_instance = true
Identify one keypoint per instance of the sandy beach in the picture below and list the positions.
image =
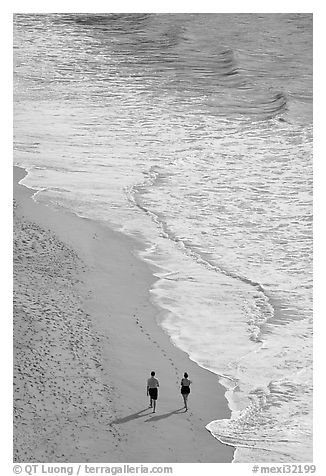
(85, 340)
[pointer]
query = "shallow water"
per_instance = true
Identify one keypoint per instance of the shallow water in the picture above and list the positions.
(192, 132)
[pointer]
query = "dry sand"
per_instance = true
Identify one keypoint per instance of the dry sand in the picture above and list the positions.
(85, 341)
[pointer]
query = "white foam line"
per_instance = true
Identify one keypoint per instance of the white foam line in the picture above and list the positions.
(29, 171)
(37, 191)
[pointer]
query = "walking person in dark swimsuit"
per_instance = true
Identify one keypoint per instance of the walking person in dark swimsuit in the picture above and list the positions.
(152, 390)
(185, 389)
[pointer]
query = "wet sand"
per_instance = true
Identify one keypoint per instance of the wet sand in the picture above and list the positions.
(85, 341)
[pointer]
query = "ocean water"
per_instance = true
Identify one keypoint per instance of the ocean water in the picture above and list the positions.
(192, 132)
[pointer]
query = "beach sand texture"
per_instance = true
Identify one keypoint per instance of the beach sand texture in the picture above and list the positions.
(85, 341)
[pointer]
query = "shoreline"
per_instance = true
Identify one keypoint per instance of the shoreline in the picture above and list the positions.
(113, 285)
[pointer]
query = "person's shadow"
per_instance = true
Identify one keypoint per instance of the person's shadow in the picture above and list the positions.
(165, 415)
(142, 413)
(133, 416)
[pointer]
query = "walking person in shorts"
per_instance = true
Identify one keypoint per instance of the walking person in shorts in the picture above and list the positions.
(152, 390)
(185, 389)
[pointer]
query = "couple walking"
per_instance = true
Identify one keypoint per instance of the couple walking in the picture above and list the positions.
(152, 390)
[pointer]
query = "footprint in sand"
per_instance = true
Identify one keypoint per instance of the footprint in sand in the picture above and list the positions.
(158, 346)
